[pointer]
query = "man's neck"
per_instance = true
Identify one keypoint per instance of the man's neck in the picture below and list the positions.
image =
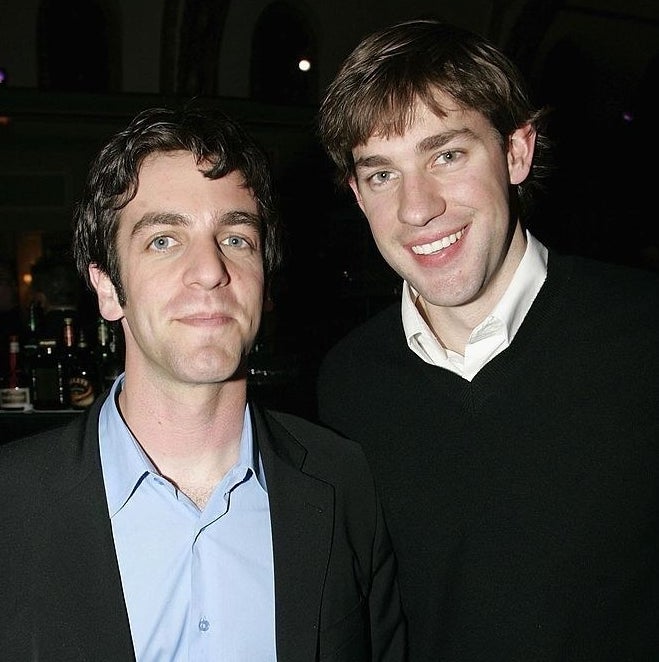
(193, 435)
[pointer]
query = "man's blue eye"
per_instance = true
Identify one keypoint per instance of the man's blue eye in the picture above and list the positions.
(380, 177)
(161, 243)
(235, 241)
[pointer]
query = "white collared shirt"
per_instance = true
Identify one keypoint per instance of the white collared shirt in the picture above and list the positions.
(494, 333)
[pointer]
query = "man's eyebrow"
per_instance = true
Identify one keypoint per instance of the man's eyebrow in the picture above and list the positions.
(425, 145)
(151, 219)
(375, 161)
(234, 217)
(440, 139)
(241, 217)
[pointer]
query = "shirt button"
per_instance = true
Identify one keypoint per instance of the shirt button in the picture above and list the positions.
(204, 625)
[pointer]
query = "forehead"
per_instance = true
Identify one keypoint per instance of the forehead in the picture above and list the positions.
(180, 165)
(176, 180)
(172, 190)
(423, 122)
(395, 116)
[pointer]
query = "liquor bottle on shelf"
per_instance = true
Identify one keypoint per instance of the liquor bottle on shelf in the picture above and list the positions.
(80, 372)
(68, 354)
(108, 363)
(15, 392)
(30, 345)
(48, 379)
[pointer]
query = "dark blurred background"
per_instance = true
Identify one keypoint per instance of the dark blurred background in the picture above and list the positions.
(74, 71)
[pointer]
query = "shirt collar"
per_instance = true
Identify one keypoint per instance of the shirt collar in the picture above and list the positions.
(524, 287)
(124, 462)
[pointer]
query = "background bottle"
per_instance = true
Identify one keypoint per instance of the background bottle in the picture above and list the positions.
(30, 344)
(15, 392)
(108, 362)
(48, 381)
(80, 374)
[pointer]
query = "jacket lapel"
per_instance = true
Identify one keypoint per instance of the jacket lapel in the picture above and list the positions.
(302, 520)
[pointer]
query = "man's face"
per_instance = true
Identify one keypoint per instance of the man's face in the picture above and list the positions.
(189, 251)
(437, 202)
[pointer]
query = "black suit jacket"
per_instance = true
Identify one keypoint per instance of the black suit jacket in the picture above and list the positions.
(61, 600)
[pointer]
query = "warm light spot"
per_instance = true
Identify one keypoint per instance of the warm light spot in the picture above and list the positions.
(304, 65)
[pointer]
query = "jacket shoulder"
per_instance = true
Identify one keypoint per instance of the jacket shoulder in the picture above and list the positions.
(314, 435)
(319, 449)
(49, 459)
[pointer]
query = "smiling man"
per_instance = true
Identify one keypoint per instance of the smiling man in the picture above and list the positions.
(509, 402)
(176, 520)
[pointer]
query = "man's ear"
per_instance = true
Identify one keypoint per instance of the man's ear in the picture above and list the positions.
(355, 189)
(521, 146)
(108, 302)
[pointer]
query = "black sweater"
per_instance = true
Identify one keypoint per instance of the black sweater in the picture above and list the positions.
(523, 505)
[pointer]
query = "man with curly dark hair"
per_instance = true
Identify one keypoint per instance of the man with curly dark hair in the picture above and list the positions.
(177, 519)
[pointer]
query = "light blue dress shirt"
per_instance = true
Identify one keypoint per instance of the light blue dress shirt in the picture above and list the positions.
(198, 585)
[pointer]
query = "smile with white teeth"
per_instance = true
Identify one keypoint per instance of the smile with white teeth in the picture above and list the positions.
(440, 244)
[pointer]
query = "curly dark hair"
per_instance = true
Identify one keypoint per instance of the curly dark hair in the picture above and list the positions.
(211, 136)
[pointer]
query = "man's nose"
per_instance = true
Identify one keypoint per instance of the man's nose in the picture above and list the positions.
(420, 200)
(207, 266)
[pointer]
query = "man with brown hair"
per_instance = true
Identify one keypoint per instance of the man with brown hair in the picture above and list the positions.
(509, 402)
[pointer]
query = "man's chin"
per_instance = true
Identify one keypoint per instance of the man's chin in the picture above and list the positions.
(228, 369)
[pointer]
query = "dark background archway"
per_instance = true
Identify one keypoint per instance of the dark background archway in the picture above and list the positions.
(77, 52)
(282, 38)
